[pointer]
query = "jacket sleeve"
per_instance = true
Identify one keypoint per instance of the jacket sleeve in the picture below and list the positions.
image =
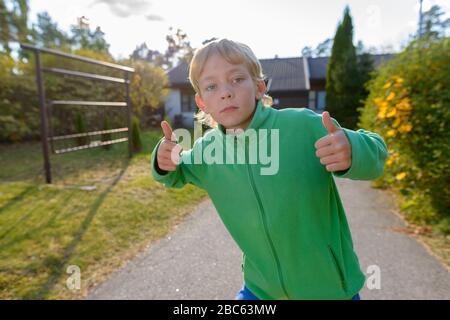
(186, 172)
(369, 153)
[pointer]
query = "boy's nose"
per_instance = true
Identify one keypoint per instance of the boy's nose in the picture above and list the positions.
(226, 92)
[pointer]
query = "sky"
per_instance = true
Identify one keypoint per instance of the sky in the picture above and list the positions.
(269, 27)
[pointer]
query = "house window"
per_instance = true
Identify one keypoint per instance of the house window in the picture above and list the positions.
(312, 100)
(187, 102)
(321, 100)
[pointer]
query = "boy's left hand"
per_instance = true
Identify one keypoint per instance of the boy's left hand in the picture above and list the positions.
(334, 150)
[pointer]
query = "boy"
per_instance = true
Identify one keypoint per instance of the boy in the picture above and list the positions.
(289, 223)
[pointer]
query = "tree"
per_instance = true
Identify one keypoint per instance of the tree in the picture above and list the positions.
(20, 19)
(323, 49)
(179, 48)
(98, 42)
(48, 34)
(432, 26)
(343, 82)
(147, 85)
(365, 68)
(5, 33)
(307, 52)
(83, 38)
(80, 37)
(142, 52)
(13, 24)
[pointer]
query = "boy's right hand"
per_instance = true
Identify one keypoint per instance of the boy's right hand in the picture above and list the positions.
(168, 156)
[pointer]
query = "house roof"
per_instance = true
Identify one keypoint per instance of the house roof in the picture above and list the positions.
(284, 74)
(318, 66)
(179, 75)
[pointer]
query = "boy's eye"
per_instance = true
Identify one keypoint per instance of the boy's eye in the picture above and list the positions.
(235, 80)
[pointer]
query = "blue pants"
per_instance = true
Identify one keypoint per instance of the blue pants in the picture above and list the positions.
(246, 294)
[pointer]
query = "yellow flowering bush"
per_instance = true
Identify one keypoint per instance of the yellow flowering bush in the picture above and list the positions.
(395, 107)
(409, 105)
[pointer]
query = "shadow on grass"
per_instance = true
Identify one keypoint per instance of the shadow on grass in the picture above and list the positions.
(58, 265)
(17, 198)
(29, 234)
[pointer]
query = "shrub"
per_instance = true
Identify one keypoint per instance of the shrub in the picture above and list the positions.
(408, 104)
(136, 135)
(80, 127)
(106, 136)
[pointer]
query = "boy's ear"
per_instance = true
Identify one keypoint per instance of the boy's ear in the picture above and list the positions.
(200, 103)
(260, 89)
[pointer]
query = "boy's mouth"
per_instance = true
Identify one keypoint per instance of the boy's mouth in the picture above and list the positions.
(228, 109)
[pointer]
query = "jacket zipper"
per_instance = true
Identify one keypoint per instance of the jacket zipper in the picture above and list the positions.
(280, 275)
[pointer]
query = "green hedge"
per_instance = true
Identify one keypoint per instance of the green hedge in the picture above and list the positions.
(409, 104)
(19, 108)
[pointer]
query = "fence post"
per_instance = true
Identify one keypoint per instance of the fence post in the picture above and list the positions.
(129, 112)
(44, 122)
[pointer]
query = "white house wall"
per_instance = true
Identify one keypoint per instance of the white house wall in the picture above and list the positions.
(172, 105)
(172, 108)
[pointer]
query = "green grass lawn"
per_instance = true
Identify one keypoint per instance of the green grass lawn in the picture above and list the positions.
(102, 209)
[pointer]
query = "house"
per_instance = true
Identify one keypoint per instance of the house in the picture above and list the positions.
(292, 82)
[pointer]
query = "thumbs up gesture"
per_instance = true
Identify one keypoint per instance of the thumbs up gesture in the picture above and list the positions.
(334, 150)
(168, 156)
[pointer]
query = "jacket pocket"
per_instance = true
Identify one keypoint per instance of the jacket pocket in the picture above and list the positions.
(338, 267)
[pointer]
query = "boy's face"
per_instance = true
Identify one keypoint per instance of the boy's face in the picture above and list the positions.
(228, 92)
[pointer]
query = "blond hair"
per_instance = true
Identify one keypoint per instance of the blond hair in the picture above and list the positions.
(233, 52)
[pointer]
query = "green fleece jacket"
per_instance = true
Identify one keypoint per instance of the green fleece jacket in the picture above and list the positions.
(291, 226)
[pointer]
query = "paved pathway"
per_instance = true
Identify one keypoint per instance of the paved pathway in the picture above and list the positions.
(199, 260)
